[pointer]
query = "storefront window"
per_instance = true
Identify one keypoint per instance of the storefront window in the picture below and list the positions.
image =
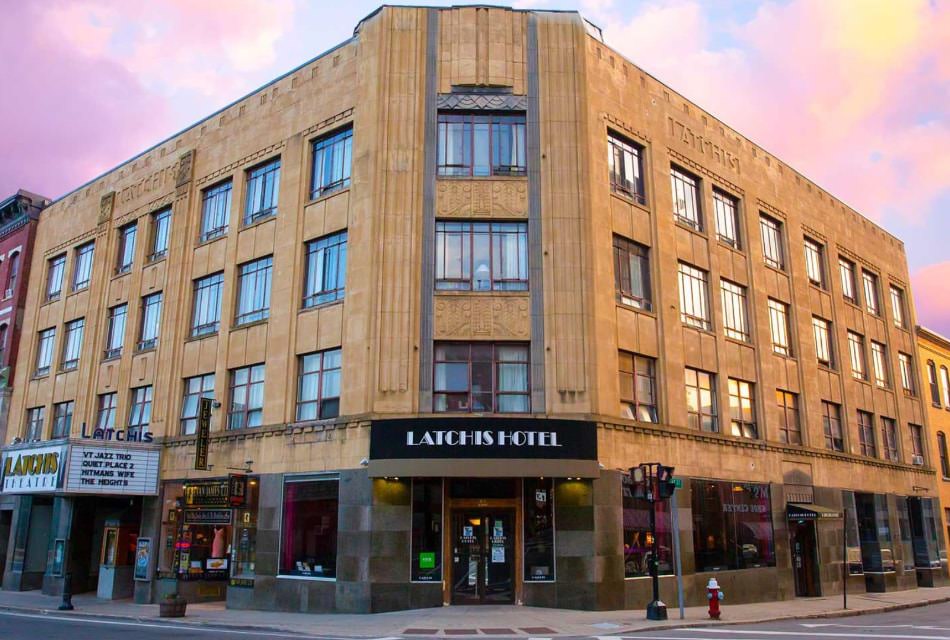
(637, 538)
(732, 526)
(874, 532)
(907, 546)
(309, 527)
(538, 530)
(855, 565)
(426, 530)
(924, 530)
(245, 538)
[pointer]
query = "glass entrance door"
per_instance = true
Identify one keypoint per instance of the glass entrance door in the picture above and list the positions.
(483, 556)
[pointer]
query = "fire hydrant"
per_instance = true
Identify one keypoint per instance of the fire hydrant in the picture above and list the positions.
(714, 595)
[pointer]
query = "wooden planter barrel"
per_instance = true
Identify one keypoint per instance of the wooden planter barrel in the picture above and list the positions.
(172, 608)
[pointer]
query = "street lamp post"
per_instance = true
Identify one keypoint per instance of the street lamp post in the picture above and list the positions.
(655, 482)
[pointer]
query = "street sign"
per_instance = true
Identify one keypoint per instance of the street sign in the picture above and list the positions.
(678, 483)
(204, 433)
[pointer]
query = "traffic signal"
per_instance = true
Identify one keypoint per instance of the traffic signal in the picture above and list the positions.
(639, 482)
(664, 480)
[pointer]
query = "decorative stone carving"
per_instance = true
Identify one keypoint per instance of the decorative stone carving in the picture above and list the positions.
(466, 317)
(493, 101)
(106, 204)
(482, 198)
(186, 163)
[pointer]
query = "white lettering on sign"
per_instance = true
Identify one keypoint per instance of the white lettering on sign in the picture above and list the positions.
(114, 471)
(479, 438)
(744, 508)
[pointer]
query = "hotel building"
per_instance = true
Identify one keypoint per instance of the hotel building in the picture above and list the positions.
(444, 285)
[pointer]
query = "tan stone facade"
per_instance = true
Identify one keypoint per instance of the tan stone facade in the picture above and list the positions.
(389, 82)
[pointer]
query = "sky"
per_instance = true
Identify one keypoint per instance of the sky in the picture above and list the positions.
(854, 94)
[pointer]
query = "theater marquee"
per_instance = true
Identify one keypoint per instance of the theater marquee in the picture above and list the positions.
(468, 447)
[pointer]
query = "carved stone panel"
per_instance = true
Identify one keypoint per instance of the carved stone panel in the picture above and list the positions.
(106, 204)
(482, 198)
(482, 317)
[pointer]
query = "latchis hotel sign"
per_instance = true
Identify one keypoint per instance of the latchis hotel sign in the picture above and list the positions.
(118, 468)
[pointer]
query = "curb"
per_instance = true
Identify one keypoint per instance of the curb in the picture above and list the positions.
(838, 613)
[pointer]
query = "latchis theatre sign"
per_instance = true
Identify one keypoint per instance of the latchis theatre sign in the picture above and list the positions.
(33, 469)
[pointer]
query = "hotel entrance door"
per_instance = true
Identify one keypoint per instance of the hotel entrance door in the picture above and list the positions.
(483, 556)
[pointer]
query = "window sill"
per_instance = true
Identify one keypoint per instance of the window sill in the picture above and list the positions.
(201, 336)
(706, 331)
(511, 178)
(260, 221)
(120, 274)
(630, 200)
(326, 196)
(852, 303)
(784, 356)
(79, 290)
(245, 325)
(146, 350)
(862, 381)
(322, 305)
(772, 267)
(699, 231)
(156, 259)
(734, 249)
(817, 287)
(51, 300)
(318, 578)
(489, 292)
(744, 343)
(826, 367)
(211, 239)
(39, 376)
(630, 307)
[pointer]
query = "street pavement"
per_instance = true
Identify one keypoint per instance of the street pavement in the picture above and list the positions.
(922, 623)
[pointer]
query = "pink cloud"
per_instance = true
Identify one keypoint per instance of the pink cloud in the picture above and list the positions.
(931, 286)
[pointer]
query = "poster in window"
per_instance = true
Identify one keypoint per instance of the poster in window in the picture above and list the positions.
(143, 559)
(59, 556)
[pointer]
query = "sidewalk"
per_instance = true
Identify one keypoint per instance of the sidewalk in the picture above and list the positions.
(477, 621)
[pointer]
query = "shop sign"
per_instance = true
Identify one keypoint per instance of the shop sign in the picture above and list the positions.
(208, 493)
(203, 432)
(237, 489)
(112, 470)
(34, 469)
(117, 435)
(244, 583)
(484, 438)
(207, 516)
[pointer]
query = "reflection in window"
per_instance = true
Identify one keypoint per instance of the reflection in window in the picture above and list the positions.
(254, 284)
(247, 397)
(481, 256)
(632, 273)
(742, 409)
(772, 250)
(538, 530)
(637, 387)
(638, 539)
(732, 525)
(426, 553)
(481, 377)
(625, 160)
(263, 185)
(326, 270)
(215, 210)
(318, 385)
(482, 144)
(332, 160)
(701, 400)
(206, 315)
(195, 388)
(686, 207)
(727, 218)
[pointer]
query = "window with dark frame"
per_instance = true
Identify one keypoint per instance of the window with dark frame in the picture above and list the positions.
(638, 396)
(331, 160)
(308, 528)
(882, 376)
(318, 385)
(206, 314)
(161, 224)
(917, 442)
(481, 256)
(625, 161)
(105, 413)
(72, 344)
(726, 209)
(906, 364)
(482, 144)
(325, 277)
(859, 369)
(945, 385)
(742, 409)
(44, 351)
(55, 271)
(694, 297)
(779, 327)
(82, 266)
(13, 272)
(140, 411)
(481, 377)
(215, 210)
(632, 274)
(35, 421)
(871, 301)
(789, 426)
(254, 285)
(831, 426)
(889, 439)
(116, 333)
(866, 434)
(732, 525)
(263, 186)
(196, 387)
(824, 342)
(701, 403)
(4, 328)
(849, 287)
(686, 200)
(815, 262)
(151, 321)
(942, 452)
(426, 540)
(773, 251)
(735, 313)
(247, 397)
(126, 254)
(897, 306)
(62, 419)
(932, 382)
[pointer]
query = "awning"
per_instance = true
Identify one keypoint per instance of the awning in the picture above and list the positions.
(810, 512)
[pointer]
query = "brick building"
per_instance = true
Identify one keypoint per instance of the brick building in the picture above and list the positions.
(444, 284)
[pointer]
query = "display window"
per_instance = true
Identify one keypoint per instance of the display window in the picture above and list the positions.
(538, 530)
(638, 538)
(308, 536)
(426, 530)
(732, 525)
